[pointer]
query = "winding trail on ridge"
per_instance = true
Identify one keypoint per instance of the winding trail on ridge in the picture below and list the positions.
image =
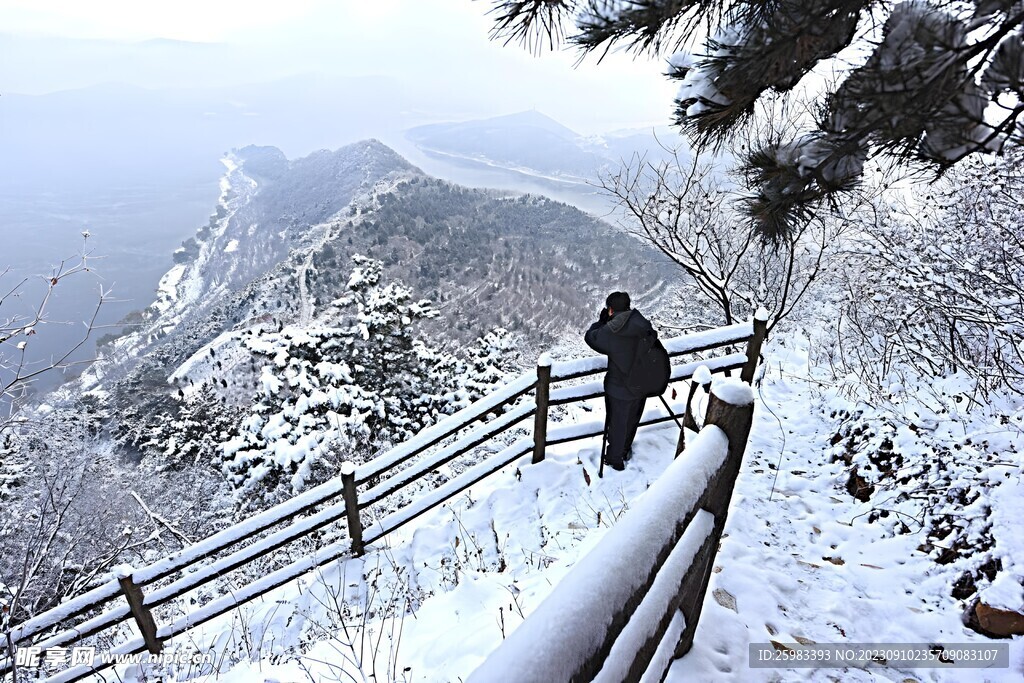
(305, 305)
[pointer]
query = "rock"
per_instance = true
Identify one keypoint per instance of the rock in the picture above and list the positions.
(999, 623)
(964, 587)
(859, 487)
(725, 599)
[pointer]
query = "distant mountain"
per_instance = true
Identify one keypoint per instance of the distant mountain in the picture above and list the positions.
(528, 140)
(531, 125)
(532, 143)
(278, 251)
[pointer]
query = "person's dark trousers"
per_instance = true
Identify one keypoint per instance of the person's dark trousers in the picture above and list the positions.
(623, 417)
(633, 424)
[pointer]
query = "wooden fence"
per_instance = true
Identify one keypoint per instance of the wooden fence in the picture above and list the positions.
(632, 604)
(357, 488)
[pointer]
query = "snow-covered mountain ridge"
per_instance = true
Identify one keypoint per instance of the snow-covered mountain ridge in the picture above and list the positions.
(279, 250)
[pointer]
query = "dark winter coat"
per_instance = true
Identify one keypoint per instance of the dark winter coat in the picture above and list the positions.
(617, 339)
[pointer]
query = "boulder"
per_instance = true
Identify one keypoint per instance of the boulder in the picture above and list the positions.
(1000, 622)
(993, 621)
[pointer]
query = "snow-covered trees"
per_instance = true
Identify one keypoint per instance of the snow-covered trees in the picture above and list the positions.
(938, 284)
(683, 208)
(186, 434)
(40, 494)
(926, 80)
(71, 511)
(347, 391)
(487, 363)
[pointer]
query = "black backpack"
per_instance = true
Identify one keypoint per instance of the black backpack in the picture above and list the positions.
(649, 374)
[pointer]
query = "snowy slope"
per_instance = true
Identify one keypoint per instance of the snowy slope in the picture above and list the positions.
(800, 563)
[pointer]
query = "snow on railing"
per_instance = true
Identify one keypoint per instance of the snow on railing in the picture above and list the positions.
(505, 409)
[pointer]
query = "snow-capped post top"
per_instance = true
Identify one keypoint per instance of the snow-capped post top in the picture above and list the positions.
(348, 468)
(733, 391)
(122, 571)
(702, 375)
(544, 361)
(761, 314)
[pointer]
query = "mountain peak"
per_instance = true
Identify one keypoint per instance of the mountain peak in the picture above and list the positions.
(372, 155)
(534, 119)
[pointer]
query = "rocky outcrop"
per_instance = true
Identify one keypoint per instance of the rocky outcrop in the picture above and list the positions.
(993, 621)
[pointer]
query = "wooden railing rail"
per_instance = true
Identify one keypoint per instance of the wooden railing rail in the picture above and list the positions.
(358, 488)
(680, 373)
(474, 438)
(436, 433)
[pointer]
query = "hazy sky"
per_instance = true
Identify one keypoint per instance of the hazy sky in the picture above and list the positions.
(439, 44)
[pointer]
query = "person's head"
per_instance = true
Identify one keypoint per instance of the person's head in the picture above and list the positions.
(617, 302)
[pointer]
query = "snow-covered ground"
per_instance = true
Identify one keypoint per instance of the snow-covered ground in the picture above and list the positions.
(800, 563)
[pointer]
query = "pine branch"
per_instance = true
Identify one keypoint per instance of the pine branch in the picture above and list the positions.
(644, 25)
(531, 22)
(771, 50)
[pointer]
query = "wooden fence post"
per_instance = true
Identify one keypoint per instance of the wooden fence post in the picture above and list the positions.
(540, 418)
(754, 345)
(143, 617)
(688, 421)
(701, 378)
(735, 420)
(348, 492)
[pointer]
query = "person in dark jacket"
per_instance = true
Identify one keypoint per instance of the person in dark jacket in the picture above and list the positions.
(616, 334)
